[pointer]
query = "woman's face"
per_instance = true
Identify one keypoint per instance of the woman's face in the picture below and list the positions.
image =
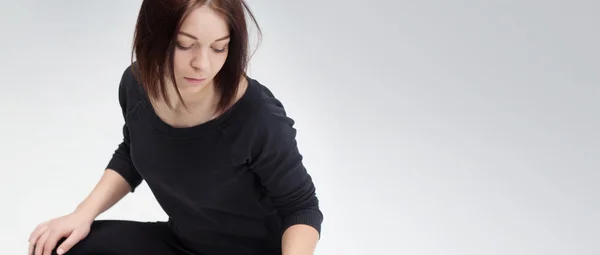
(201, 49)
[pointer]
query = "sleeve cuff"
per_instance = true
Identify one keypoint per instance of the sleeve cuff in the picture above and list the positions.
(126, 170)
(307, 217)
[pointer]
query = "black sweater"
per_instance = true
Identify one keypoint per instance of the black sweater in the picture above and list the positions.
(235, 181)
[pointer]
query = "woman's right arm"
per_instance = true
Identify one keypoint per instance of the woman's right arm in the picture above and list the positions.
(120, 176)
(111, 188)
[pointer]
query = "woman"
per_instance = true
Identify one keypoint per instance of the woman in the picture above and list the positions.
(214, 145)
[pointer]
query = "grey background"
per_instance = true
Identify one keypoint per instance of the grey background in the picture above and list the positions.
(430, 127)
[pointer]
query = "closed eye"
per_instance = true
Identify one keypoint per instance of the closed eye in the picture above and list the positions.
(184, 47)
(219, 50)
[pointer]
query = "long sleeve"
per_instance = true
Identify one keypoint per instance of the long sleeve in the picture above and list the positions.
(278, 163)
(121, 159)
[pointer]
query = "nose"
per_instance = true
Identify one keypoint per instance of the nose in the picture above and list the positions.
(200, 60)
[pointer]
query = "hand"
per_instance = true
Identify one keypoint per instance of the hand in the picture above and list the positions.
(74, 227)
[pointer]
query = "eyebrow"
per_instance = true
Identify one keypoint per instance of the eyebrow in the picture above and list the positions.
(196, 38)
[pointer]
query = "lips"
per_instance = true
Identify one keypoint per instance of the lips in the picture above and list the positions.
(195, 80)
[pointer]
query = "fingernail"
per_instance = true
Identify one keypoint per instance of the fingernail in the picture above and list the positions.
(60, 251)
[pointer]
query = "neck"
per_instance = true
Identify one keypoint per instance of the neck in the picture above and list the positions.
(204, 100)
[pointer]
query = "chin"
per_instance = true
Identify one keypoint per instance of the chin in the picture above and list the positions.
(192, 88)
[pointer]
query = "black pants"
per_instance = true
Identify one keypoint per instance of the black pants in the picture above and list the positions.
(119, 237)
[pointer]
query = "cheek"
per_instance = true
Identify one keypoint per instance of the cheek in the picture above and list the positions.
(218, 60)
(181, 62)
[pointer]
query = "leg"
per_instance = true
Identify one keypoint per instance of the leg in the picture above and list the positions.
(119, 237)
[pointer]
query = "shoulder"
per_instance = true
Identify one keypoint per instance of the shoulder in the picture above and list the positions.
(269, 117)
(128, 81)
(129, 88)
(272, 143)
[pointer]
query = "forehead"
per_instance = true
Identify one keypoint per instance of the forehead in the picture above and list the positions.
(204, 23)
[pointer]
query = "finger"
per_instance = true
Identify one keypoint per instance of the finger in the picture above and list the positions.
(35, 236)
(39, 246)
(66, 245)
(36, 231)
(52, 240)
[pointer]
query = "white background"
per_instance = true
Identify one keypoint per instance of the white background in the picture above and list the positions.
(429, 127)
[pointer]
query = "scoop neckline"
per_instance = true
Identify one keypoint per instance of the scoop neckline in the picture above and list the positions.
(209, 128)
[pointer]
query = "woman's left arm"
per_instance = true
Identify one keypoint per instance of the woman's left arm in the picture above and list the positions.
(278, 163)
(299, 240)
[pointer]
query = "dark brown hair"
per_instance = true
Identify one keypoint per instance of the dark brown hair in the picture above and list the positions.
(154, 45)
